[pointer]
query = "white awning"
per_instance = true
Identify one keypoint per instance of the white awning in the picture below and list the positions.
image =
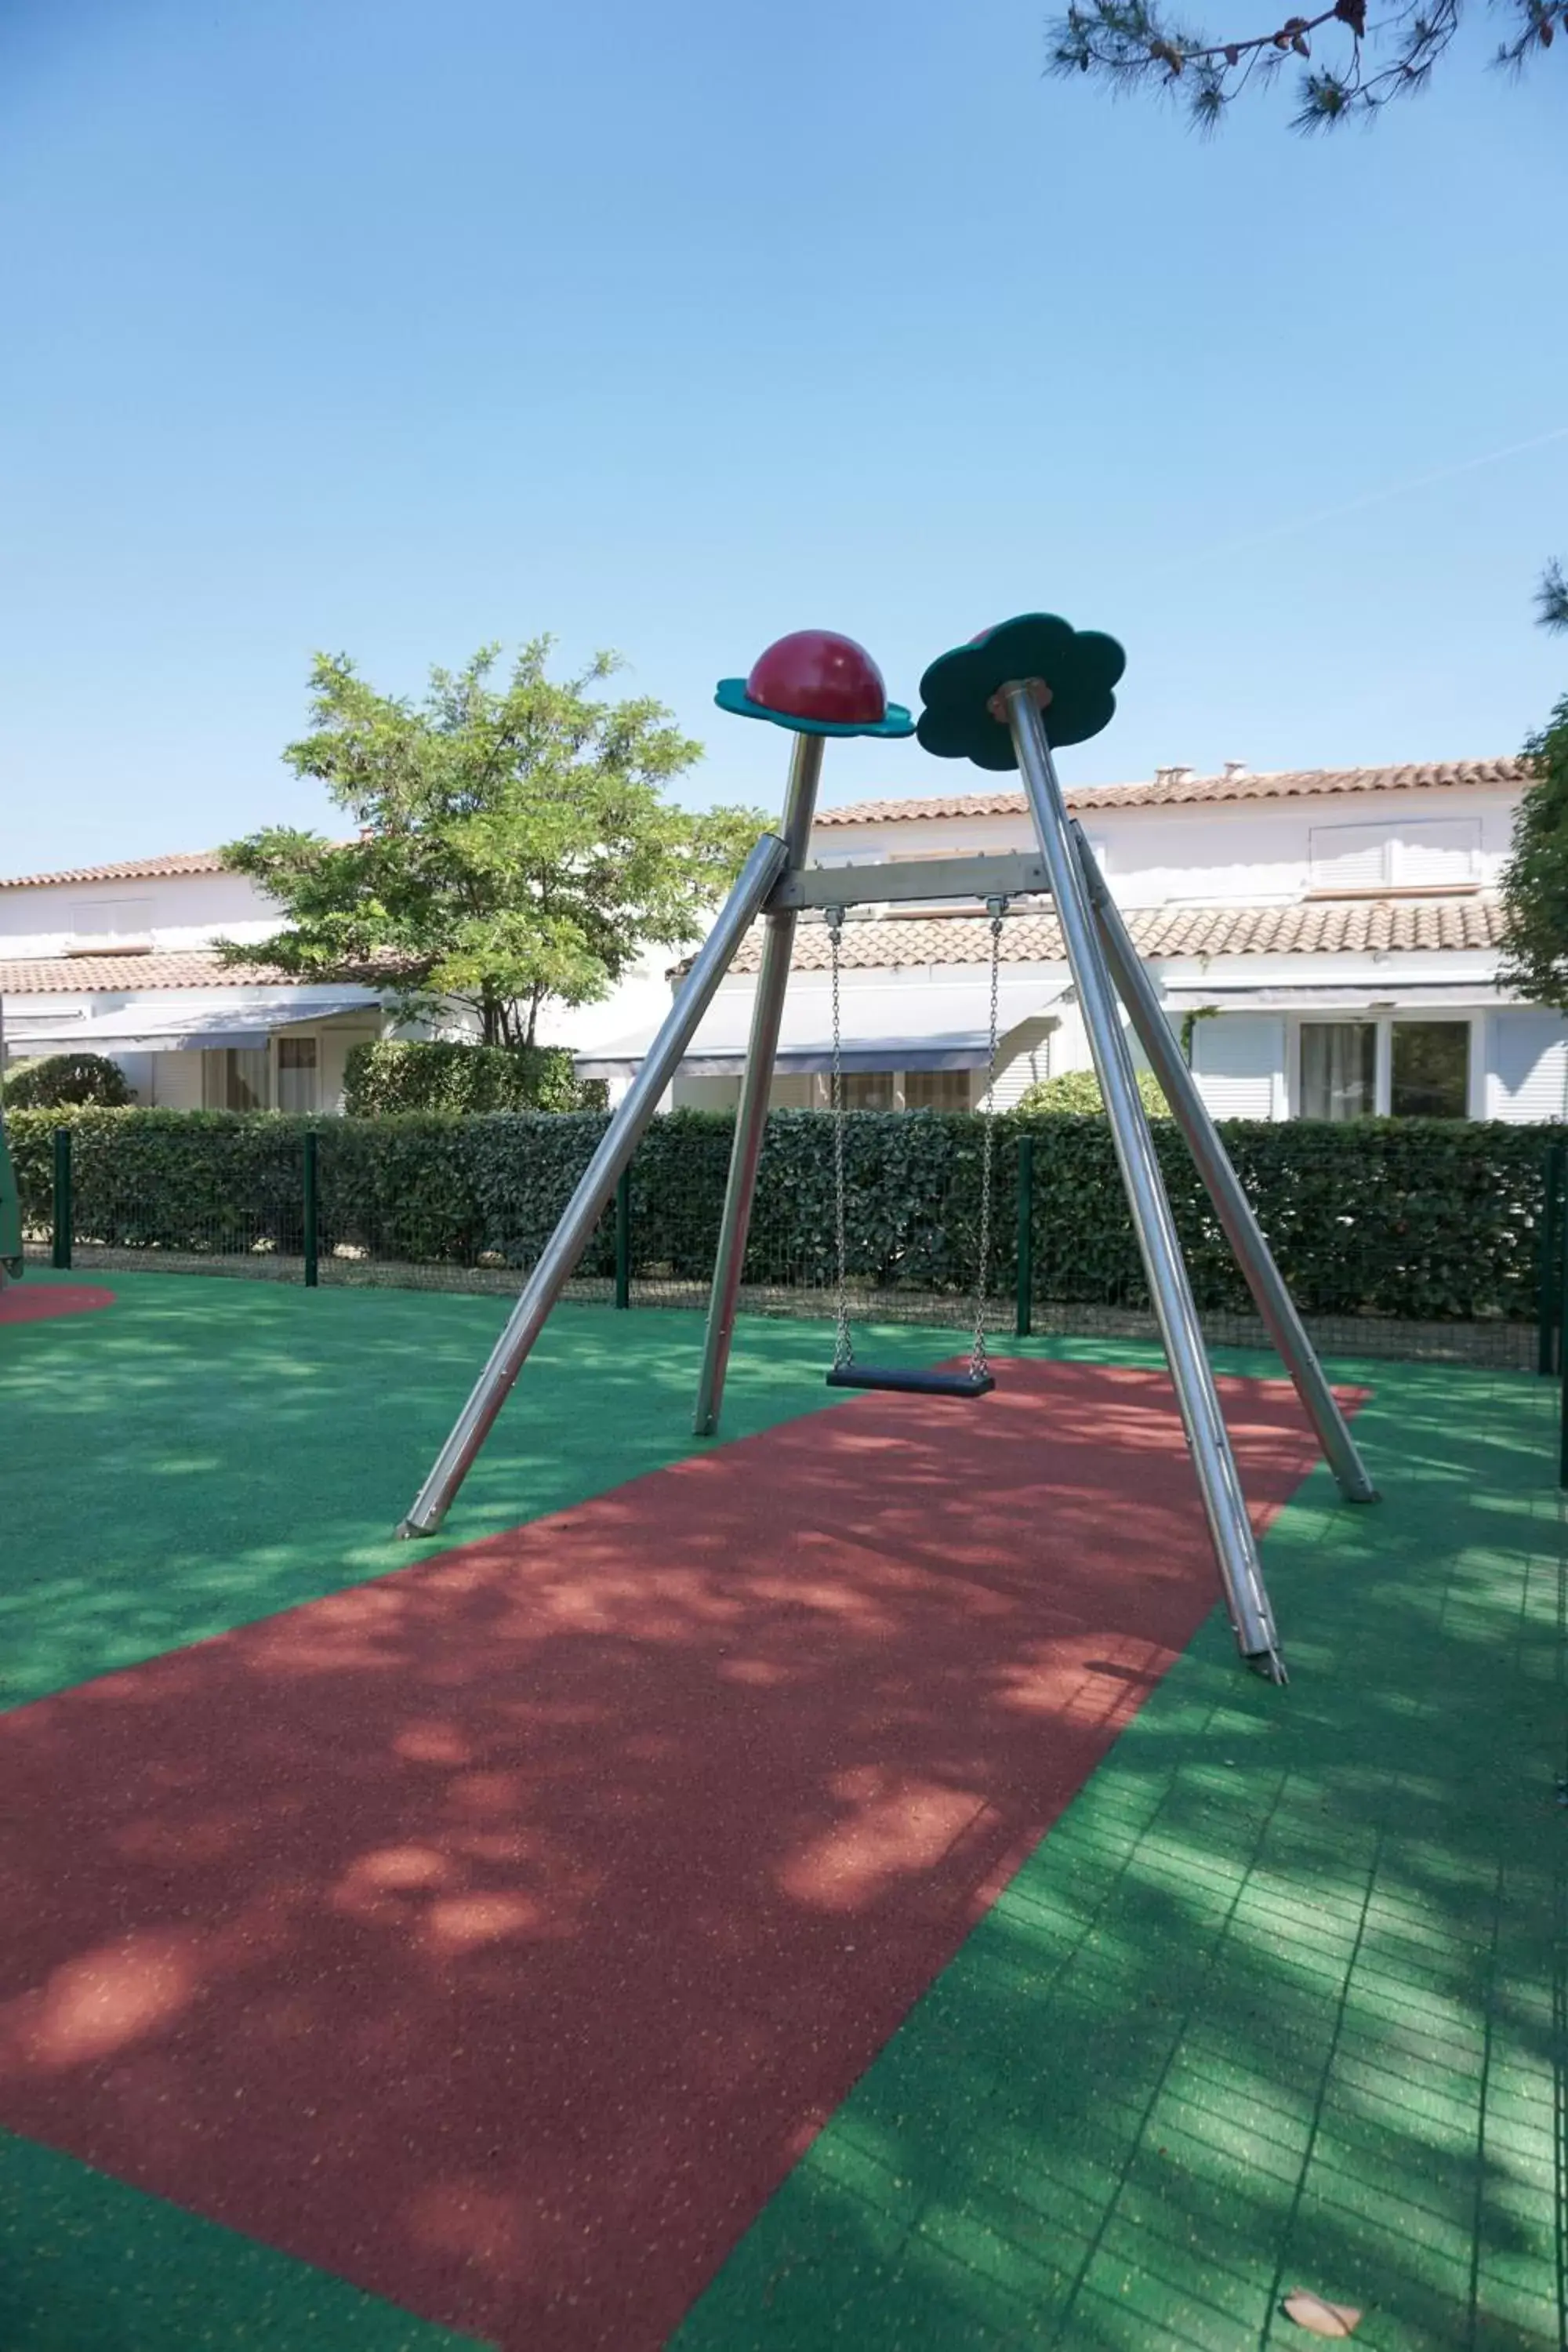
(1301, 996)
(942, 1024)
(173, 1027)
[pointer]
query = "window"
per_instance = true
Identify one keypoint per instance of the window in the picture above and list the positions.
(112, 919)
(1432, 854)
(868, 1090)
(937, 1090)
(1430, 1072)
(234, 1077)
(296, 1074)
(110, 927)
(1339, 1069)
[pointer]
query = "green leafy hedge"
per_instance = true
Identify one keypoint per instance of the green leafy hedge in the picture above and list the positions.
(1411, 1218)
(409, 1073)
(64, 1080)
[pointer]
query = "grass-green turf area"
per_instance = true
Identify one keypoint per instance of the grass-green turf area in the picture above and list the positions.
(90, 2265)
(1277, 2003)
(207, 1452)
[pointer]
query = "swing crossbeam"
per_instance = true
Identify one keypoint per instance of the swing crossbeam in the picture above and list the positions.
(906, 1381)
(909, 882)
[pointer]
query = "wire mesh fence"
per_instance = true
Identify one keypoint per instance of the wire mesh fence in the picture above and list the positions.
(1407, 1253)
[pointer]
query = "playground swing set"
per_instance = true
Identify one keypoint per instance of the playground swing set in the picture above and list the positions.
(1008, 699)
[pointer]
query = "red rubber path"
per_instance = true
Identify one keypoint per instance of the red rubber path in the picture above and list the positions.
(20, 1303)
(497, 1933)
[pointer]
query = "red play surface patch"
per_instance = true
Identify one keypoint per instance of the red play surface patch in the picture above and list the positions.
(22, 1303)
(498, 1934)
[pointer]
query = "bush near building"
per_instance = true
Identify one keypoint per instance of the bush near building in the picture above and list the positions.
(64, 1080)
(406, 1075)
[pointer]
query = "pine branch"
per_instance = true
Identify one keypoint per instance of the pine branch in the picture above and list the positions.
(1552, 598)
(1133, 44)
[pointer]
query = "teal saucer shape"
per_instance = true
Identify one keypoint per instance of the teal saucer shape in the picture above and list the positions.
(1080, 667)
(816, 682)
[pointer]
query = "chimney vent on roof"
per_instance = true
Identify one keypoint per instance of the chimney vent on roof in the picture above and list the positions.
(1171, 775)
(1236, 768)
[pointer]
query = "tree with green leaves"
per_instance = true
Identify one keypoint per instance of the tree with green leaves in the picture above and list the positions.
(513, 842)
(1535, 879)
(1347, 70)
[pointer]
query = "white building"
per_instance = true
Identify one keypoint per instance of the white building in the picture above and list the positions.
(1335, 930)
(119, 960)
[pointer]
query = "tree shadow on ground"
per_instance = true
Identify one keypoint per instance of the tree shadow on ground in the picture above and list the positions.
(1279, 2003)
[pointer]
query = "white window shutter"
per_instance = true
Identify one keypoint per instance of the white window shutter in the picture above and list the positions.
(112, 919)
(1238, 1061)
(1349, 857)
(1435, 852)
(1527, 1080)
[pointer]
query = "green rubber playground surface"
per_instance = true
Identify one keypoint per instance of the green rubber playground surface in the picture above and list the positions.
(1279, 2003)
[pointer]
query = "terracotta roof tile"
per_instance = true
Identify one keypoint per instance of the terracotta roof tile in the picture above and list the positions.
(130, 974)
(1345, 926)
(1177, 787)
(130, 869)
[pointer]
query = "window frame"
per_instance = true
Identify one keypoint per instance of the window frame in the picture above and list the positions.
(1448, 1016)
(312, 1039)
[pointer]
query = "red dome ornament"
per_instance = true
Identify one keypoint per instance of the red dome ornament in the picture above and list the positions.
(816, 683)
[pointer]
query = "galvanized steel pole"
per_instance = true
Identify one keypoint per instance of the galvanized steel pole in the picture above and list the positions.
(1224, 1504)
(1232, 1207)
(756, 1085)
(567, 1243)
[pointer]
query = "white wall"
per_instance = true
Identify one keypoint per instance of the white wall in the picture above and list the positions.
(639, 1002)
(178, 911)
(1238, 853)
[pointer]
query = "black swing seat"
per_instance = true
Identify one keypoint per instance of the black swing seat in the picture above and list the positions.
(911, 1383)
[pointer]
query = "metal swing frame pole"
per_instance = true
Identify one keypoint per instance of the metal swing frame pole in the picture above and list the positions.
(1219, 1482)
(761, 870)
(1234, 1209)
(756, 1089)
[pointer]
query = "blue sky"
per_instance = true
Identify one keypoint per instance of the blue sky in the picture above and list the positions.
(393, 328)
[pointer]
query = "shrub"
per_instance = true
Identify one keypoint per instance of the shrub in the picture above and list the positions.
(1419, 1218)
(1078, 1091)
(410, 1075)
(62, 1081)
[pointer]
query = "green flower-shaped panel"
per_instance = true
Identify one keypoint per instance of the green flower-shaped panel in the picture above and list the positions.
(1079, 666)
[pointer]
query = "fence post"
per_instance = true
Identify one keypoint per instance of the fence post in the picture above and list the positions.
(1548, 1353)
(1563, 1413)
(1024, 1320)
(624, 1239)
(312, 1274)
(60, 1255)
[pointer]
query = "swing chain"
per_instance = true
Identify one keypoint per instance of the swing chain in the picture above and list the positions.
(843, 1345)
(978, 1364)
